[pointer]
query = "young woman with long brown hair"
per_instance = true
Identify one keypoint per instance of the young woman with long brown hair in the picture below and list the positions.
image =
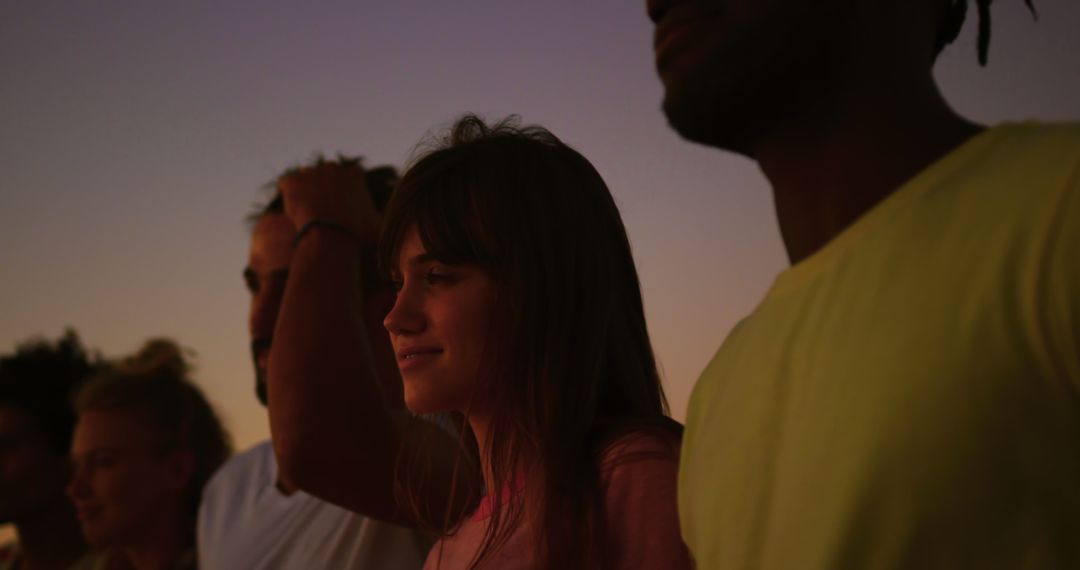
(519, 312)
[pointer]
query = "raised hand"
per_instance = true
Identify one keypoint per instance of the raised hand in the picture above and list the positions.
(331, 192)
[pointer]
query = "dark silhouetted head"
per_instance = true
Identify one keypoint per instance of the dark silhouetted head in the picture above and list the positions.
(36, 422)
(736, 71)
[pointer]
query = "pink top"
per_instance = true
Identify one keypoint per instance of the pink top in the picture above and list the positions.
(638, 478)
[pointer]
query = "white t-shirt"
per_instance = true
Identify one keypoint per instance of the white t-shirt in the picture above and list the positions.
(245, 522)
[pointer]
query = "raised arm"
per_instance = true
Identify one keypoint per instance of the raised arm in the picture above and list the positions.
(334, 434)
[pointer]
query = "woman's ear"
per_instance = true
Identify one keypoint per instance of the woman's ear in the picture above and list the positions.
(179, 469)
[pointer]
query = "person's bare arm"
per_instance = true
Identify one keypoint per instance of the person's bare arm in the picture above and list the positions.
(333, 433)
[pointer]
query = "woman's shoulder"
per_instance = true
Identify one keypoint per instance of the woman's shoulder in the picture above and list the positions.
(646, 444)
(638, 462)
(638, 472)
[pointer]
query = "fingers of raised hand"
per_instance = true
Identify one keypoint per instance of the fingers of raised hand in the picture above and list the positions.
(333, 192)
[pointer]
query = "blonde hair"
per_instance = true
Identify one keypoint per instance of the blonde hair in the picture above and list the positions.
(154, 381)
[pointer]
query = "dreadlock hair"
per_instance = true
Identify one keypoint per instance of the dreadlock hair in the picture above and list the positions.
(955, 13)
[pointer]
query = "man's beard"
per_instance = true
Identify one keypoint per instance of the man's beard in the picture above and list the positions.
(259, 346)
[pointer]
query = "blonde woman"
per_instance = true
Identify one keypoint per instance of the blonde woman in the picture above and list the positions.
(145, 443)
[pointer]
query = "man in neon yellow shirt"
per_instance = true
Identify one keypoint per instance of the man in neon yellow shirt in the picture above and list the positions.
(907, 395)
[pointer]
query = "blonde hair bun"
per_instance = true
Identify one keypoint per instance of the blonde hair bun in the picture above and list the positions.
(158, 356)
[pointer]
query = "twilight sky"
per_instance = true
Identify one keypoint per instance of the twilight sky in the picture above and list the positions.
(134, 138)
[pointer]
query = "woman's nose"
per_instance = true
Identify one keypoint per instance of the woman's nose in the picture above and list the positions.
(406, 316)
(77, 487)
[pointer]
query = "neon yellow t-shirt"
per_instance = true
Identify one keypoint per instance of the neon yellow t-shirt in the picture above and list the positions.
(908, 396)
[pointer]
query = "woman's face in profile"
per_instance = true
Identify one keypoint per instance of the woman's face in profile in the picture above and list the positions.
(438, 326)
(122, 487)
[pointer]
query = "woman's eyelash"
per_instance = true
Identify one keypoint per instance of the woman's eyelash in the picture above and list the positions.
(436, 275)
(432, 275)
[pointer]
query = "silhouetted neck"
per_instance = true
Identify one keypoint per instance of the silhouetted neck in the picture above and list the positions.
(838, 162)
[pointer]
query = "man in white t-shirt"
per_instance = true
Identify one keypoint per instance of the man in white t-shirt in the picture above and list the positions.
(250, 518)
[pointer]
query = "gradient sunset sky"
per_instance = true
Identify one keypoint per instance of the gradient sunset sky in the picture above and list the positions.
(136, 136)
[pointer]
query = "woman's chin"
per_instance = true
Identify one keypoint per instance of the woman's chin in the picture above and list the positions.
(96, 536)
(423, 403)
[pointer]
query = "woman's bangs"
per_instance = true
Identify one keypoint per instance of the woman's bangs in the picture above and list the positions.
(442, 206)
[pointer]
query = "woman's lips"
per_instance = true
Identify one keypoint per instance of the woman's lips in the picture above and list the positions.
(414, 357)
